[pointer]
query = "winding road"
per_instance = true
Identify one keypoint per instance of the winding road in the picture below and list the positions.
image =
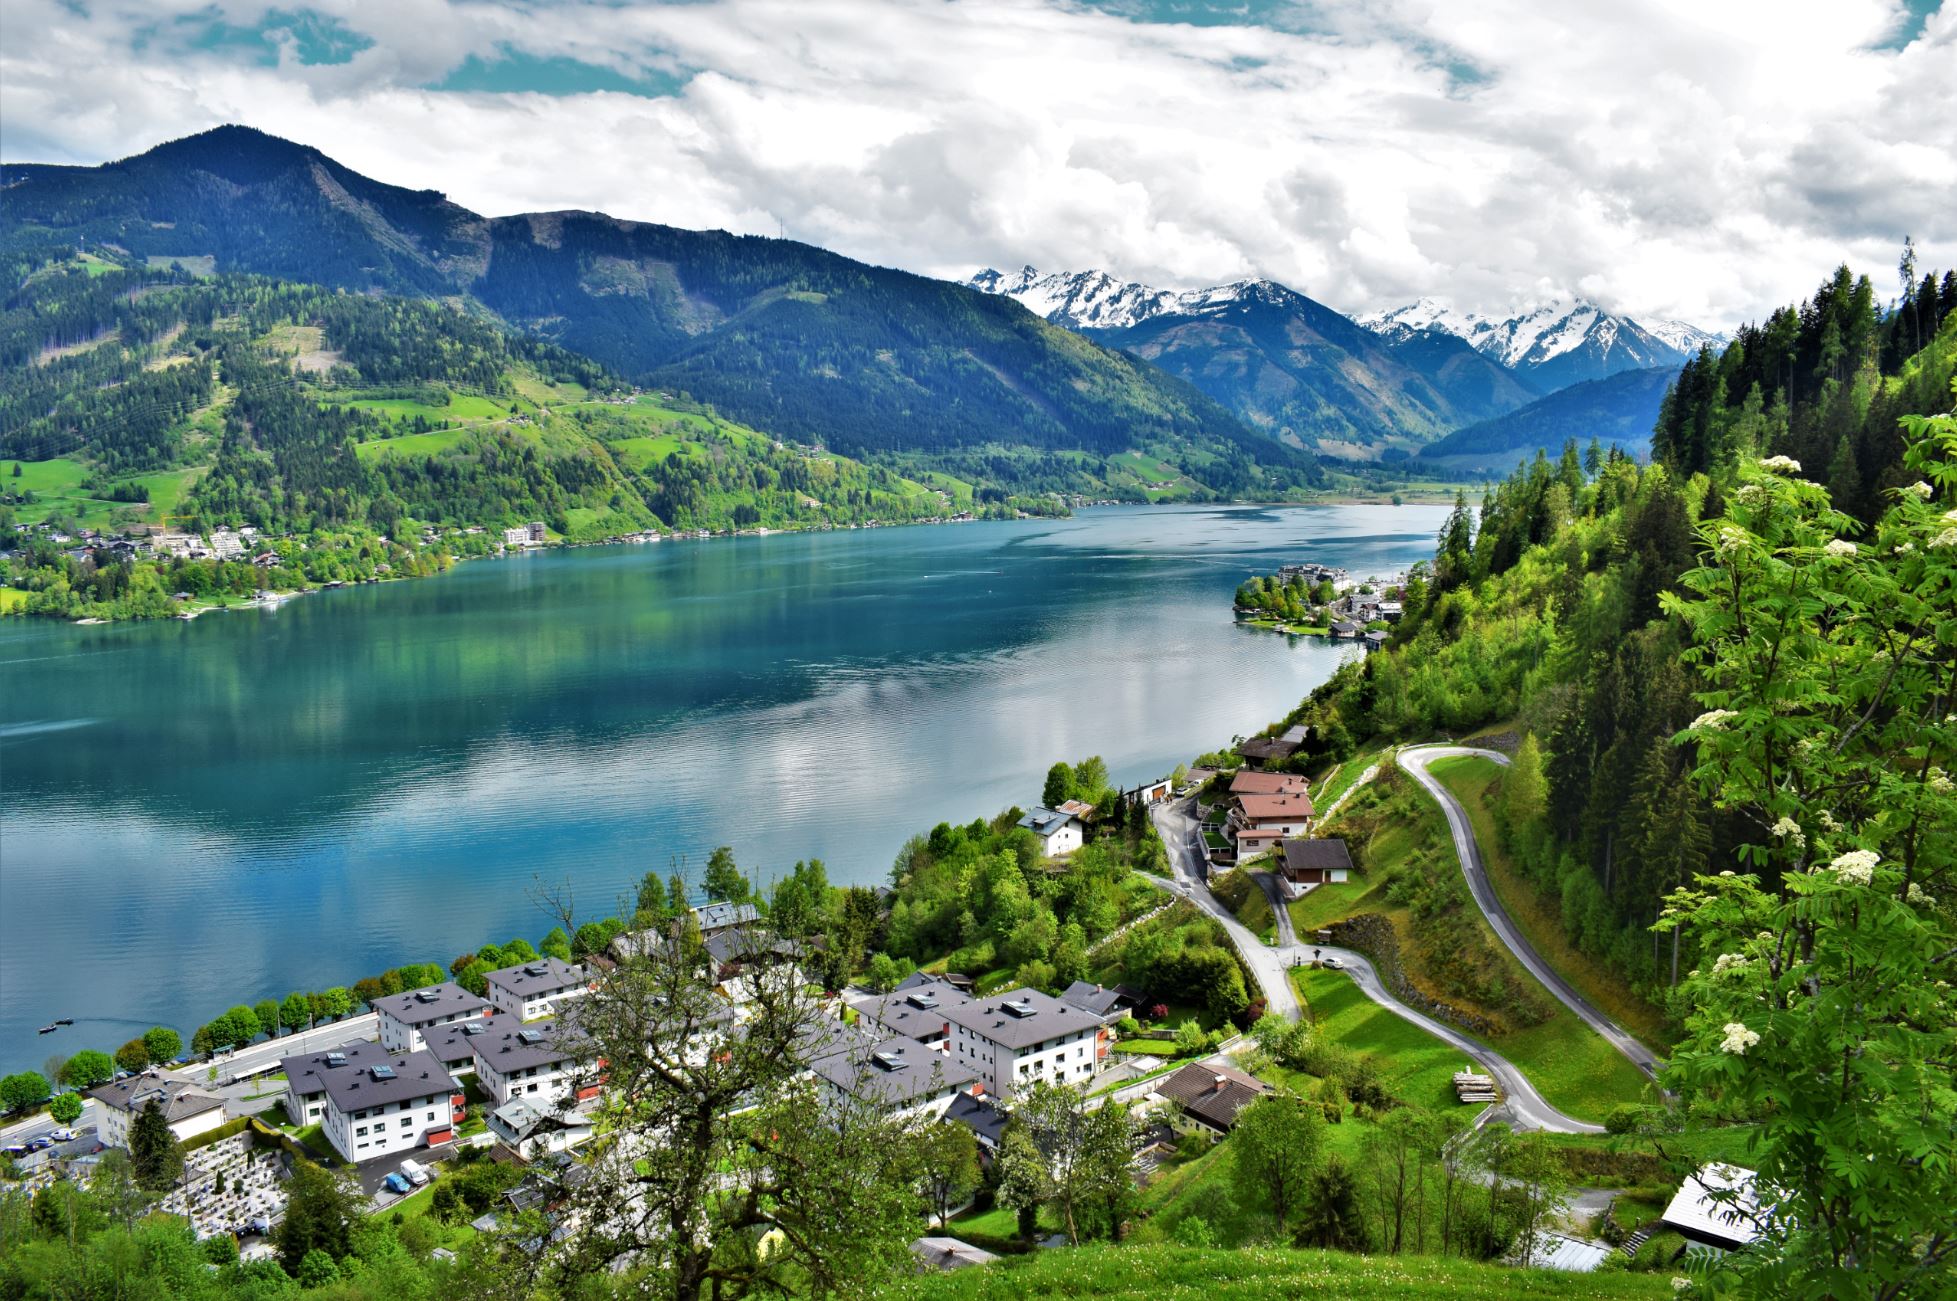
(1416, 763)
(1271, 966)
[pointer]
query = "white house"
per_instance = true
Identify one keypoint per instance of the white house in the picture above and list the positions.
(305, 1083)
(1015, 1038)
(920, 1010)
(188, 1110)
(390, 1105)
(535, 989)
(532, 1062)
(1059, 833)
(406, 1018)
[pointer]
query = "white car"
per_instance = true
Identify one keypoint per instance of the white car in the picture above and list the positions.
(416, 1172)
(1333, 963)
(63, 1135)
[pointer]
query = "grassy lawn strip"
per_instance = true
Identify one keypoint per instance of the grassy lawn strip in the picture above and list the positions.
(1256, 914)
(1477, 783)
(1158, 1272)
(1151, 1047)
(1418, 1067)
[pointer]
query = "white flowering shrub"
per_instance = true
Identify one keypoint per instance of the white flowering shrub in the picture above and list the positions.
(1830, 697)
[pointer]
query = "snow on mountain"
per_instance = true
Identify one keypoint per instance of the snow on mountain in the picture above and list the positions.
(1555, 343)
(1095, 300)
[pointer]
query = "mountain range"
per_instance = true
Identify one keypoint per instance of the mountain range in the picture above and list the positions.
(1552, 345)
(785, 337)
(1402, 379)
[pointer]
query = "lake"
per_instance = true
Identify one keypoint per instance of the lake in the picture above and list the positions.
(198, 814)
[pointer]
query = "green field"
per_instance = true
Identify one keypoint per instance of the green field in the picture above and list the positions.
(635, 454)
(1163, 1273)
(410, 444)
(1417, 1067)
(198, 264)
(459, 407)
(11, 599)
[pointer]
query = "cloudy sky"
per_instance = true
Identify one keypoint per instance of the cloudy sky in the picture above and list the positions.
(1701, 159)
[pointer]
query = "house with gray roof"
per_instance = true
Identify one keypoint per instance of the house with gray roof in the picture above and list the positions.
(535, 989)
(187, 1109)
(1023, 1035)
(921, 1012)
(895, 1074)
(305, 1083)
(1109, 1005)
(530, 1132)
(1059, 833)
(1309, 862)
(1209, 1094)
(407, 1017)
(721, 916)
(388, 1105)
(538, 1062)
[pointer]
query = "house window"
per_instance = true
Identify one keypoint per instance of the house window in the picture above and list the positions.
(407, 1121)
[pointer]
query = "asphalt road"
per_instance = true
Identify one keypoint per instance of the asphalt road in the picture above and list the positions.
(1271, 968)
(1181, 835)
(1415, 762)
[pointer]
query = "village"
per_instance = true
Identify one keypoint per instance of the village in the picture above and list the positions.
(438, 1078)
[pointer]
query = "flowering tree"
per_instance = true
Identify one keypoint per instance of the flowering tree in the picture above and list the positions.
(1826, 1012)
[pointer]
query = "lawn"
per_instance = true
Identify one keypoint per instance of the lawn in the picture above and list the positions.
(11, 599)
(460, 406)
(1256, 914)
(1155, 1273)
(1477, 783)
(411, 444)
(1152, 1047)
(1330, 903)
(637, 453)
(1418, 1067)
(1571, 1066)
(1342, 777)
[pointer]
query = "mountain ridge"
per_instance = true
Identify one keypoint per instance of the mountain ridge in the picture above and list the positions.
(786, 337)
(1299, 370)
(1553, 344)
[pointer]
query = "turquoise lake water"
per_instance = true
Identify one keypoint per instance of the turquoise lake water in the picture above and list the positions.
(197, 814)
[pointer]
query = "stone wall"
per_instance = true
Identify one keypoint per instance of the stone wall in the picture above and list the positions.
(1373, 935)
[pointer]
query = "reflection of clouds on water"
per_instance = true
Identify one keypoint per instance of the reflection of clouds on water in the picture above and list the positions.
(382, 784)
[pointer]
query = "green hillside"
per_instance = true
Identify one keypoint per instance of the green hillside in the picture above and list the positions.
(1155, 1273)
(800, 342)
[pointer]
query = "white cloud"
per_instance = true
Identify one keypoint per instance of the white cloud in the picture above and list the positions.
(1705, 161)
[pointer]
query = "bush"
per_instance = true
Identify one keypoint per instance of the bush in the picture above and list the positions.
(1623, 1118)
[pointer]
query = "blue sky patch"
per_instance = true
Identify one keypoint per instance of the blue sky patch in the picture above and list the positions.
(515, 72)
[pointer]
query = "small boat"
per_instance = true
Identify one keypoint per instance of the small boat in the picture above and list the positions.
(66, 1020)
(49, 1029)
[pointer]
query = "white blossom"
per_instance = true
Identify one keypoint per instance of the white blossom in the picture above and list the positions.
(1790, 830)
(1920, 489)
(1726, 962)
(1918, 895)
(1715, 718)
(1947, 538)
(1680, 1284)
(1730, 540)
(1950, 517)
(1903, 549)
(1727, 872)
(1856, 867)
(1738, 1039)
(1781, 464)
(1840, 547)
(1939, 781)
(1828, 822)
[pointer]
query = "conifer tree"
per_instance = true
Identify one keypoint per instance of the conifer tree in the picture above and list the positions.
(153, 1150)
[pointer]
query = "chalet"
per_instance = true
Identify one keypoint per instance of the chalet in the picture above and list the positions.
(530, 1131)
(1108, 1005)
(1267, 749)
(1059, 833)
(1374, 640)
(1257, 823)
(1347, 629)
(1249, 781)
(1208, 1095)
(1307, 863)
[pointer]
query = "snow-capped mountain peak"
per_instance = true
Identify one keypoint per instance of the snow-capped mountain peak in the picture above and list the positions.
(1095, 300)
(1564, 340)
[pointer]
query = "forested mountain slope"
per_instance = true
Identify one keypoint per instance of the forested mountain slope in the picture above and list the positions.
(793, 339)
(1546, 609)
(1618, 410)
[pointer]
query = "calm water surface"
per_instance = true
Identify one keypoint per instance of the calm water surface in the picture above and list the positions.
(198, 814)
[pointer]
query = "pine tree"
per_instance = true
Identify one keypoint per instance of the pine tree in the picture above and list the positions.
(153, 1150)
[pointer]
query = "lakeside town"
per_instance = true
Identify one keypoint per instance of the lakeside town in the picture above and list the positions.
(487, 1095)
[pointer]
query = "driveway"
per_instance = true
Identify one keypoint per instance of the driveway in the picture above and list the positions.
(1415, 762)
(1286, 935)
(1182, 837)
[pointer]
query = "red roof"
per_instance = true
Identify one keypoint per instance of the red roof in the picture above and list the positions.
(1248, 782)
(1275, 808)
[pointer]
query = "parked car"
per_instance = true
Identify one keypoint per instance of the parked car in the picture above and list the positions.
(1334, 964)
(64, 1135)
(396, 1183)
(40, 1144)
(16, 1151)
(416, 1172)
